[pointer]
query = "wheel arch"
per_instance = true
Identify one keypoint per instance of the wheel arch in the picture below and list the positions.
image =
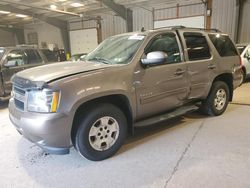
(228, 79)
(119, 100)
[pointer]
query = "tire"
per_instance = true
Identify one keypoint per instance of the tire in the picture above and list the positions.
(101, 132)
(243, 72)
(217, 100)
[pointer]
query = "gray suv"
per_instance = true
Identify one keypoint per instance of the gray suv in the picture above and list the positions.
(133, 79)
(15, 59)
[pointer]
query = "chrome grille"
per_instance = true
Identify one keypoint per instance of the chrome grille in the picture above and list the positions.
(19, 104)
(18, 90)
(19, 96)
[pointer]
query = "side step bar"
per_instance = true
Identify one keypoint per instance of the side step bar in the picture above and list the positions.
(156, 119)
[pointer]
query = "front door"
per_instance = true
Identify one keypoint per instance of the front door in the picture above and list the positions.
(13, 63)
(162, 87)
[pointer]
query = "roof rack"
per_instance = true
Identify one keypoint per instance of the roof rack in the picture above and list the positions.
(183, 27)
(27, 45)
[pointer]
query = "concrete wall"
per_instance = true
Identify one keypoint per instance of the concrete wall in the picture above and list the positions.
(46, 33)
(7, 38)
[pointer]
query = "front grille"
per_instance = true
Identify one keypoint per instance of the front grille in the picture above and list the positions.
(19, 104)
(18, 90)
(19, 95)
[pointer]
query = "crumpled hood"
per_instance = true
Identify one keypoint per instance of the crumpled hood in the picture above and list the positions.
(47, 73)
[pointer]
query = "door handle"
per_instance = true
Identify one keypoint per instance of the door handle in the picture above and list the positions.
(179, 72)
(212, 66)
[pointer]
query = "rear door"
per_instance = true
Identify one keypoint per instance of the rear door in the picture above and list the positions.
(201, 66)
(162, 87)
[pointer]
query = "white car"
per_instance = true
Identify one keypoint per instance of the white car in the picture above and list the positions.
(244, 50)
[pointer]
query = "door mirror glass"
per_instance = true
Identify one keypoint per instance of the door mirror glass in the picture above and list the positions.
(154, 58)
(11, 63)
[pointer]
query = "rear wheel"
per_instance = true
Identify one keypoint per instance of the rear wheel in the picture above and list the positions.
(217, 100)
(100, 132)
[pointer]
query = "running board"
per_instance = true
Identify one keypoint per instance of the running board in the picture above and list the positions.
(156, 119)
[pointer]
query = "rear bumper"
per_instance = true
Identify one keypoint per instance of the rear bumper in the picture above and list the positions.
(51, 132)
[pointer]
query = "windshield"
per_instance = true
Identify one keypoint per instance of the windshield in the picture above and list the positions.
(116, 50)
(1, 53)
(241, 49)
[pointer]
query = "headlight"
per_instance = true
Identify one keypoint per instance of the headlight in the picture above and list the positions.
(43, 100)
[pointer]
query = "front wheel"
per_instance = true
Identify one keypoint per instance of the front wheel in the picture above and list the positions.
(217, 100)
(100, 132)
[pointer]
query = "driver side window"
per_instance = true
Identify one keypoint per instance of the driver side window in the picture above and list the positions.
(15, 57)
(168, 44)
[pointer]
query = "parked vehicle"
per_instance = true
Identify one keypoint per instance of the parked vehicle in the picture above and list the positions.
(244, 50)
(133, 79)
(15, 59)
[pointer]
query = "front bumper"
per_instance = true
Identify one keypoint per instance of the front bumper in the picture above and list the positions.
(50, 131)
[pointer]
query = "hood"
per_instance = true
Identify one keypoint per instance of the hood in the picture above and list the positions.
(47, 73)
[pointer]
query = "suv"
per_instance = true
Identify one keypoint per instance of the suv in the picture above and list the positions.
(244, 50)
(133, 79)
(15, 59)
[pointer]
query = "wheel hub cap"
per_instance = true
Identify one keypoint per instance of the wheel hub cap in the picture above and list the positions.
(220, 99)
(103, 133)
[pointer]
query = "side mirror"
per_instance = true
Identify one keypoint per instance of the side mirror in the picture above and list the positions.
(154, 58)
(11, 63)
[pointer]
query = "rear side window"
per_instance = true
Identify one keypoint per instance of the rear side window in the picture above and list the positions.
(32, 56)
(223, 45)
(51, 56)
(197, 46)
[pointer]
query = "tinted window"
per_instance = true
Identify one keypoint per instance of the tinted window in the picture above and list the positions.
(16, 57)
(32, 56)
(166, 43)
(223, 45)
(197, 46)
(51, 56)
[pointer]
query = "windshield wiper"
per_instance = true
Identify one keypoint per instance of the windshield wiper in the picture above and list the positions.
(99, 59)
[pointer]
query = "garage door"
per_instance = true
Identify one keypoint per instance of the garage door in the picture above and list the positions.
(83, 41)
(196, 21)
